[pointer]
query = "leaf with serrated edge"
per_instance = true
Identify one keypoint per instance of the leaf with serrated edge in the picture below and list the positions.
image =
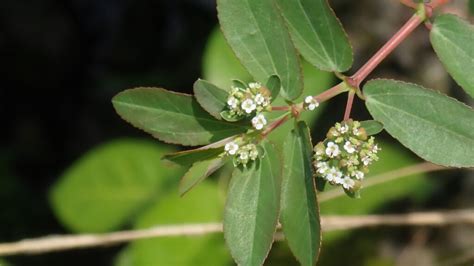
(317, 33)
(251, 212)
(212, 98)
(371, 127)
(436, 127)
(299, 206)
(274, 85)
(257, 33)
(172, 117)
(198, 172)
(452, 39)
(189, 157)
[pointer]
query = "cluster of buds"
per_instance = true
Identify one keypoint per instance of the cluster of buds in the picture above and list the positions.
(243, 152)
(344, 156)
(249, 102)
(310, 103)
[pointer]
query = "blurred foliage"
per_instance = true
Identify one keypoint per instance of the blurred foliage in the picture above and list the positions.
(109, 184)
(200, 205)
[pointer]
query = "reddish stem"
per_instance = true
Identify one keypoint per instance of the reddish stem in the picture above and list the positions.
(373, 62)
(350, 100)
(275, 125)
(409, 3)
(281, 108)
(328, 94)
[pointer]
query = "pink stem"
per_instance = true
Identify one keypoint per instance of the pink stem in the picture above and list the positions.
(350, 100)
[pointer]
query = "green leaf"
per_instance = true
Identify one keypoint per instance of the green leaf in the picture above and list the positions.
(436, 127)
(299, 206)
(257, 34)
(198, 172)
(105, 188)
(452, 39)
(189, 157)
(274, 85)
(212, 98)
(251, 212)
(317, 33)
(172, 117)
(201, 205)
(372, 127)
(219, 64)
(471, 7)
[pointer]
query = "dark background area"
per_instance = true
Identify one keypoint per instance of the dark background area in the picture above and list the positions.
(61, 62)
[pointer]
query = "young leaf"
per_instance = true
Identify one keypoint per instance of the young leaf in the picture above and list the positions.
(436, 127)
(198, 172)
(274, 85)
(452, 39)
(257, 34)
(372, 127)
(251, 212)
(317, 33)
(189, 157)
(172, 117)
(107, 185)
(299, 206)
(212, 98)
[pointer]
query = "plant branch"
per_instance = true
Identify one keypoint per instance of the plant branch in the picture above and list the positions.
(328, 223)
(386, 177)
(350, 101)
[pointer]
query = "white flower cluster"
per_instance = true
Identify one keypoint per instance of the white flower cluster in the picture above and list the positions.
(241, 151)
(310, 103)
(344, 156)
(251, 101)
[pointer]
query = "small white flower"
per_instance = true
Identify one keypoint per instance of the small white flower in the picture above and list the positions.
(348, 183)
(375, 149)
(339, 180)
(322, 167)
(231, 148)
(248, 105)
(332, 150)
(244, 156)
(253, 154)
(355, 131)
(349, 147)
(259, 99)
(232, 102)
(259, 122)
(333, 174)
(366, 160)
(310, 103)
(344, 129)
(255, 85)
(358, 174)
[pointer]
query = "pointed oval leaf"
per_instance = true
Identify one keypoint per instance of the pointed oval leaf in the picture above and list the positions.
(105, 187)
(452, 39)
(436, 127)
(198, 172)
(172, 117)
(257, 34)
(189, 157)
(372, 127)
(251, 212)
(299, 206)
(212, 98)
(317, 33)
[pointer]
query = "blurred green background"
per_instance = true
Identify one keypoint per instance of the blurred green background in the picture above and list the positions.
(68, 164)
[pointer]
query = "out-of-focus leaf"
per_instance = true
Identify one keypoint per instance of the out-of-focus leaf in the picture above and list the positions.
(220, 65)
(257, 33)
(109, 184)
(299, 207)
(317, 33)
(436, 127)
(251, 211)
(471, 7)
(172, 117)
(198, 172)
(452, 39)
(189, 157)
(212, 98)
(372, 127)
(201, 205)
